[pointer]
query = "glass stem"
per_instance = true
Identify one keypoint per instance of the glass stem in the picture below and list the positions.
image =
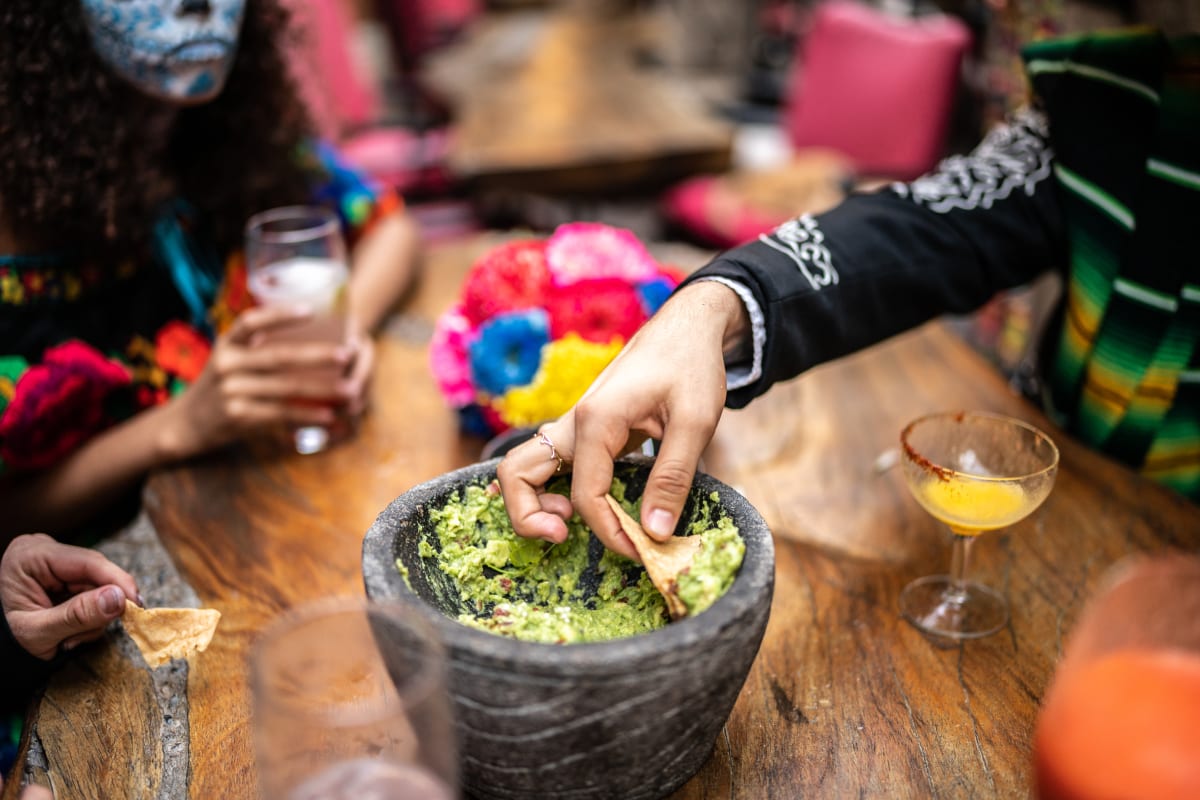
(960, 560)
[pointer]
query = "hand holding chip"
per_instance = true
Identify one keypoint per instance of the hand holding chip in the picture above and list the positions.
(57, 595)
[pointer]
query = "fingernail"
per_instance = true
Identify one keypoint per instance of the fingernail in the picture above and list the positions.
(660, 523)
(69, 646)
(301, 310)
(141, 601)
(111, 599)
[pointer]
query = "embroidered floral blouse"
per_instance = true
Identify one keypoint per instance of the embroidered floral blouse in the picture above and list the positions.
(83, 347)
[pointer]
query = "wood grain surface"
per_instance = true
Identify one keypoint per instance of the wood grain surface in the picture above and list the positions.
(558, 103)
(844, 699)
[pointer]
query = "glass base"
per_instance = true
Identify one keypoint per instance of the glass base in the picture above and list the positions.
(310, 439)
(934, 605)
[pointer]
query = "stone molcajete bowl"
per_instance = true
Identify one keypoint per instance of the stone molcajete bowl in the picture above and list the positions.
(626, 718)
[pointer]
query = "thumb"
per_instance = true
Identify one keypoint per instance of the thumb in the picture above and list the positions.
(667, 488)
(82, 614)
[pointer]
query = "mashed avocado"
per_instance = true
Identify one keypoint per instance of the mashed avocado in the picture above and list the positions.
(576, 591)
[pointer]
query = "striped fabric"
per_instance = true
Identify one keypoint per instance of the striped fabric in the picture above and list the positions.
(1125, 377)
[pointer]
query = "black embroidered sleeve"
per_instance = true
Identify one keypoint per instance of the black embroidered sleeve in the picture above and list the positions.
(881, 263)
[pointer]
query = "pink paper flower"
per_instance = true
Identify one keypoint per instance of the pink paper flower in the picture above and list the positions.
(452, 337)
(582, 250)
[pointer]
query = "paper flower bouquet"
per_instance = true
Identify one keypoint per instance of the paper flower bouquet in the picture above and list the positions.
(537, 321)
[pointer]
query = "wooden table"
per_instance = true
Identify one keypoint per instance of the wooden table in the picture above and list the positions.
(844, 698)
(557, 103)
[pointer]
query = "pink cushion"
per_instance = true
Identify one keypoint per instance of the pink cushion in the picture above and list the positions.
(338, 93)
(690, 205)
(410, 161)
(878, 88)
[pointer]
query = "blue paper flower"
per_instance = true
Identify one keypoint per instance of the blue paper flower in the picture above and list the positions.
(509, 350)
(654, 293)
(473, 422)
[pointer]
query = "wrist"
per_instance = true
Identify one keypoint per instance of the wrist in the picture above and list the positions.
(172, 440)
(717, 301)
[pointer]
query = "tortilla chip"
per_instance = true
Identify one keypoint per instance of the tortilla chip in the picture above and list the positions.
(663, 560)
(162, 634)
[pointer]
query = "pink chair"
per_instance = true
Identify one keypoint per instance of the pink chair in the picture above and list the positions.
(875, 89)
(339, 95)
(347, 106)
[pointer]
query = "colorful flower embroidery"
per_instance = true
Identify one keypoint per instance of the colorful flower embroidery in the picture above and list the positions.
(182, 350)
(234, 295)
(11, 368)
(58, 404)
(12, 290)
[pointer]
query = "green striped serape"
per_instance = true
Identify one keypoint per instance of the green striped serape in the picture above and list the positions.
(1124, 112)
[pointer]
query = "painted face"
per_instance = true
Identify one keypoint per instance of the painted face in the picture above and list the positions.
(177, 50)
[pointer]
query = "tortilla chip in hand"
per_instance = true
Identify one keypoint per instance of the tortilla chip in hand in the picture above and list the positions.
(162, 634)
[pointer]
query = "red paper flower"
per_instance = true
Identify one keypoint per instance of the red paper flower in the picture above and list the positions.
(510, 277)
(597, 310)
(58, 404)
(182, 350)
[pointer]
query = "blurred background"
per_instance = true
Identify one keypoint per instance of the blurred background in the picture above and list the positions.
(702, 121)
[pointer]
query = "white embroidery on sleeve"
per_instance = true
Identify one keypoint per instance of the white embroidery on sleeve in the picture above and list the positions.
(803, 241)
(1016, 155)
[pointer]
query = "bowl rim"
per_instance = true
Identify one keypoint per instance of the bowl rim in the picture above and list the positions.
(910, 454)
(755, 579)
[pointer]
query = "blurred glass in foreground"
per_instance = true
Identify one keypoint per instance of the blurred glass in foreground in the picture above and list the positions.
(1121, 718)
(350, 701)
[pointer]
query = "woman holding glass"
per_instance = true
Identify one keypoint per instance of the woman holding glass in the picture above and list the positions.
(139, 137)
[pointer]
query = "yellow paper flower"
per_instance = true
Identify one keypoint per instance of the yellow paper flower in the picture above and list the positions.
(569, 365)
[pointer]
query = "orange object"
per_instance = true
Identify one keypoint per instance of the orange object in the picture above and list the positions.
(1126, 725)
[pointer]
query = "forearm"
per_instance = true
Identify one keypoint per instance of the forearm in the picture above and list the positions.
(87, 481)
(385, 263)
(880, 264)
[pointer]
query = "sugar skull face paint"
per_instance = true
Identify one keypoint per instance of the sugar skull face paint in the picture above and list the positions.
(177, 50)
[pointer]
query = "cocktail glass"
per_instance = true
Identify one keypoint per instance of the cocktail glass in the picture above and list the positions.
(975, 472)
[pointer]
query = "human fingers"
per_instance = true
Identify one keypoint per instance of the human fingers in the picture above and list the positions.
(259, 319)
(35, 792)
(358, 381)
(671, 475)
(75, 641)
(81, 566)
(276, 357)
(249, 413)
(600, 439)
(286, 385)
(523, 474)
(41, 632)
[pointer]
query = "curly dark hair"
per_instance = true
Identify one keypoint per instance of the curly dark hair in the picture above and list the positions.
(82, 161)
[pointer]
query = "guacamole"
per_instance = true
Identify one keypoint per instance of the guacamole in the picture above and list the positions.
(576, 591)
